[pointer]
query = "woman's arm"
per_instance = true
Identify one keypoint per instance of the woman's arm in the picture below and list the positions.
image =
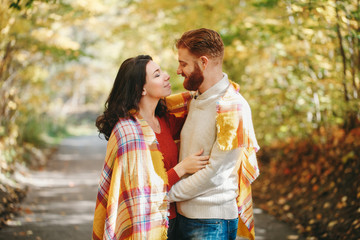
(221, 165)
(189, 165)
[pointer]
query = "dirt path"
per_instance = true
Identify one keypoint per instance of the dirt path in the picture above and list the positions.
(61, 199)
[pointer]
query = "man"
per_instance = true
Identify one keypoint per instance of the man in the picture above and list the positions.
(215, 202)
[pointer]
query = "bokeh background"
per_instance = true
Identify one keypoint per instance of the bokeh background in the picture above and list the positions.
(297, 63)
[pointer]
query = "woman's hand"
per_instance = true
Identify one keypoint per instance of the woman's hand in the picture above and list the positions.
(191, 164)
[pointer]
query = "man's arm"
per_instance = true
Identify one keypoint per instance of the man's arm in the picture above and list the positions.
(221, 165)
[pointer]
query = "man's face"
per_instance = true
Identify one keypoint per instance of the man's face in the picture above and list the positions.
(189, 69)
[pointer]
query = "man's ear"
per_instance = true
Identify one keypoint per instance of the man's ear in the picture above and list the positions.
(203, 62)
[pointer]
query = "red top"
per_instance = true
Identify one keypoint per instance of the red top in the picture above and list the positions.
(170, 131)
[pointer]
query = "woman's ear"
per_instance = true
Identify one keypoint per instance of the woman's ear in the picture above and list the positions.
(203, 62)
(143, 92)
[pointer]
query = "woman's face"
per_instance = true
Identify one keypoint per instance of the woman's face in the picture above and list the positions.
(157, 82)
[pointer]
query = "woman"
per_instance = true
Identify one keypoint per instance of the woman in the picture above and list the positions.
(132, 201)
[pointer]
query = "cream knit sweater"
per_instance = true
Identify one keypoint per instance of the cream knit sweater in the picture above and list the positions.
(212, 191)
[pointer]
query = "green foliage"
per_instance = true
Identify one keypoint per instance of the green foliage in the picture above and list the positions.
(297, 62)
(32, 131)
(19, 5)
(42, 131)
(34, 44)
(265, 3)
(286, 57)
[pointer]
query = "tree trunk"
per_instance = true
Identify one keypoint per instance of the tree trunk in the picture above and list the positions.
(342, 52)
(5, 59)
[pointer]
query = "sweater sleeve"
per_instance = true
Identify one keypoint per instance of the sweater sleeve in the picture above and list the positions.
(172, 178)
(221, 165)
(175, 125)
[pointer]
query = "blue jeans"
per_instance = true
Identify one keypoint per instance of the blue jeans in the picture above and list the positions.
(172, 230)
(206, 229)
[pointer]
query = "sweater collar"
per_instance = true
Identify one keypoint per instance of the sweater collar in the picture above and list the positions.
(216, 90)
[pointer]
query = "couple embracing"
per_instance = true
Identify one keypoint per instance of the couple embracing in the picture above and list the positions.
(150, 189)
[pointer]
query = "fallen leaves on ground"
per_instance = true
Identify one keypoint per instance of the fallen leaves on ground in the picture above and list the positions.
(9, 200)
(313, 186)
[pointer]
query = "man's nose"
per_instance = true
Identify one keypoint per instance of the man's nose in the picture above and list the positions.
(178, 71)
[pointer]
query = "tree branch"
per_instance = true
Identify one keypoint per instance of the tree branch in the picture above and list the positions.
(5, 59)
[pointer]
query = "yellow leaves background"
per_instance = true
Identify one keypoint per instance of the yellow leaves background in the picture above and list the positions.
(61, 56)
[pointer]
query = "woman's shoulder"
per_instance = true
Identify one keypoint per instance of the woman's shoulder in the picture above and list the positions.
(126, 129)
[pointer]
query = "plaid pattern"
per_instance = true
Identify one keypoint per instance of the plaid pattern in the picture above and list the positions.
(177, 104)
(132, 201)
(234, 130)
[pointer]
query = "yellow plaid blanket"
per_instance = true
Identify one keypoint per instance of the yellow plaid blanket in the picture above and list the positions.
(132, 201)
(234, 130)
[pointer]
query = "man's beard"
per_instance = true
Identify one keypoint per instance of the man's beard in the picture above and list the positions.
(193, 82)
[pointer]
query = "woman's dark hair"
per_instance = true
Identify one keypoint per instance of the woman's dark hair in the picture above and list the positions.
(126, 94)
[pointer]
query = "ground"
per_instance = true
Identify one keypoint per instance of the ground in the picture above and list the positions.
(314, 186)
(61, 198)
